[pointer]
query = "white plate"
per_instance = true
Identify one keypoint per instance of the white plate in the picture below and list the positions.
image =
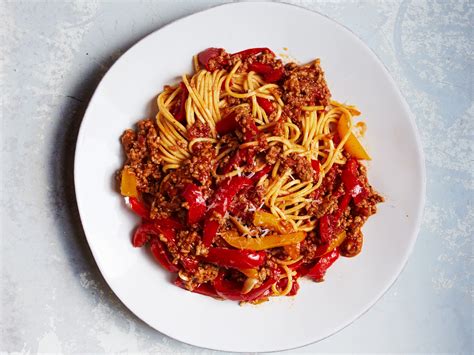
(352, 286)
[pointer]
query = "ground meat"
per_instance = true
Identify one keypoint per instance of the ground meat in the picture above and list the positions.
(201, 163)
(273, 154)
(304, 86)
(198, 130)
(143, 156)
(204, 273)
(220, 61)
(300, 165)
(245, 203)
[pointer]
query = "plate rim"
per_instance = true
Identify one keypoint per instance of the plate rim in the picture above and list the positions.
(406, 108)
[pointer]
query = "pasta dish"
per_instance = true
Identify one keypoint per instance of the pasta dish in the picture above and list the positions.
(249, 177)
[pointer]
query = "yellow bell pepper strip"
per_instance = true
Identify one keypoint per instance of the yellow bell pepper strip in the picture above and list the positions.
(293, 250)
(128, 185)
(352, 146)
(271, 241)
(267, 220)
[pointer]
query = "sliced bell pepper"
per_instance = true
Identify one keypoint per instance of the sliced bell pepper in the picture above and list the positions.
(179, 111)
(128, 185)
(252, 51)
(264, 171)
(196, 202)
(326, 228)
(266, 105)
(267, 220)
(158, 250)
(293, 250)
(326, 248)
(206, 55)
(250, 130)
(316, 165)
(233, 291)
(237, 259)
(210, 230)
(189, 263)
(203, 289)
(139, 208)
(281, 285)
(234, 161)
(271, 241)
(227, 124)
(155, 228)
(220, 204)
(269, 74)
(318, 271)
(352, 145)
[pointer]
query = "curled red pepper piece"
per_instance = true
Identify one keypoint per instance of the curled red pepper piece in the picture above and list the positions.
(220, 204)
(252, 51)
(203, 289)
(159, 253)
(326, 229)
(164, 226)
(270, 74)
(197, 204)
(318, 271)
(233, 291)
(237, 259)
(266, 105)
(281, 285)
(139, 208)
(250, 129)
(189, 263)
(206, 55)
(234, 161)
(179, 111)
(258, 175)
(351, 183)
(227, 124)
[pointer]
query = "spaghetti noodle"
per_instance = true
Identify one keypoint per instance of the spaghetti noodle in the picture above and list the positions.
(249, 177)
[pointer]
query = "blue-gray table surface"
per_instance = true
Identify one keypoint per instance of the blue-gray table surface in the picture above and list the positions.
(53, 55)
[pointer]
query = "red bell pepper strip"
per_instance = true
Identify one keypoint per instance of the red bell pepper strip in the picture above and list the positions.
(266, 105)
(250, 130)
(258, 175)
(226, 192)
(145, 230)
(269, 74)
(252, 51)
(179, 111)
(189, 263)
(237, 259)
(210, 230)
(220, 204)
(208, 54)
(160, 255)
(281, 285)
(227, 124)
(139, 208)
(351, 183)
(318, 271)
(326, 228)
(234, 161)
(196, 203)
(233, 291)
(203, 289)
(316, 165)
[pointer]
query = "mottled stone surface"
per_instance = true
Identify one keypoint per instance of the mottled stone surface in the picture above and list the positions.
(53, 55)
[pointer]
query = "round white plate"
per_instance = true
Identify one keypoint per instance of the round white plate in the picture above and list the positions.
(354, 75)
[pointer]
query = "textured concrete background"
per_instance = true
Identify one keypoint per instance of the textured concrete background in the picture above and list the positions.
(53, 298)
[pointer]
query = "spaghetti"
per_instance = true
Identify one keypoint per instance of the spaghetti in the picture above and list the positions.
(249, 177)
